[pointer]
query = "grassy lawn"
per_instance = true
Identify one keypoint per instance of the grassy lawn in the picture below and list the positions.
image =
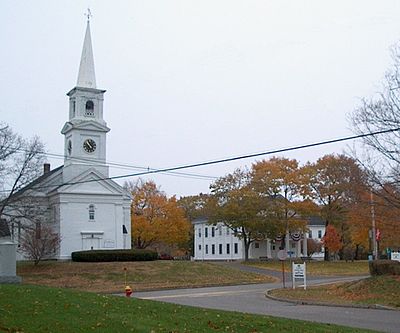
(26, 308)
(110, 276)
(321, 268)
(382, 290)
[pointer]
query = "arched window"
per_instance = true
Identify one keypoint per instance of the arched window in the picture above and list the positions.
(91, 212)
(89, 108)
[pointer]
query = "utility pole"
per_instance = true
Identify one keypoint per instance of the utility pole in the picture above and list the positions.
(374, 244)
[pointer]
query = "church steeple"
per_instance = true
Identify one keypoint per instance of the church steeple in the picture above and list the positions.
(85, 131)
(86, 76)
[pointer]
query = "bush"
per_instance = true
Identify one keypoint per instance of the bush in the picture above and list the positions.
(113, 255)
(383, 267)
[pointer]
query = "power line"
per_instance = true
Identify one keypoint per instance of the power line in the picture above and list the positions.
(240, 157)
(126, 166)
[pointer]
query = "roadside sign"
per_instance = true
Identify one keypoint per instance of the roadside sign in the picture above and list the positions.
(299, 272)
(282, 255)
(395, 256)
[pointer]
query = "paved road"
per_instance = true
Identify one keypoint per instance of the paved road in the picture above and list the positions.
(251, 299)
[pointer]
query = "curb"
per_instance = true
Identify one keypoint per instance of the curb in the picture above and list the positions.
(302, 302)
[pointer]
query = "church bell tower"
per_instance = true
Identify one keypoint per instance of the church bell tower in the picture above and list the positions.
(85, 131)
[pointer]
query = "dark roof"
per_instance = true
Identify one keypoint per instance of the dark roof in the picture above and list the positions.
(38, 180)
(315, 220)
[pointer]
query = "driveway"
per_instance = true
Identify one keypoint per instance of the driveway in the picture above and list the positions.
(251, 299)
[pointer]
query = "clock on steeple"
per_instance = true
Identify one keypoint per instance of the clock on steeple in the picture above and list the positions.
(85, 131)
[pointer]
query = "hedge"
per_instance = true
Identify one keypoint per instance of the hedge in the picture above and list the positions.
(113, 255)
(383, 267)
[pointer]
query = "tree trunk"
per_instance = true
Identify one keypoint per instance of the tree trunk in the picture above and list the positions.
(246, 249)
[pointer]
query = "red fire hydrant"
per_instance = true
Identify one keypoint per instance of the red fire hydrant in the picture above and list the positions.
(128, 291)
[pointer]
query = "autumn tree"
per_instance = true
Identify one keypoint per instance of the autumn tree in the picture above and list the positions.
(156, 219)
(333, 182)
(235, 203)
(332, 240)
(278, 180)
(313, 246)
(195, 206)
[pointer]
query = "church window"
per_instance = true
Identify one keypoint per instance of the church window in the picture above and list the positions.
(91, 212)
(73, 108)
(89, 109)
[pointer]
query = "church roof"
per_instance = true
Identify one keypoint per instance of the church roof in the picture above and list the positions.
(37, 181)
(86, 76)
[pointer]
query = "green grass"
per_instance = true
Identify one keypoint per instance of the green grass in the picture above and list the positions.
(110, 276)
(320, 268)
(382, 290)
(25, 308)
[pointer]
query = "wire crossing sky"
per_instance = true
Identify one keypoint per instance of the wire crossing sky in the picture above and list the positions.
(193, 81)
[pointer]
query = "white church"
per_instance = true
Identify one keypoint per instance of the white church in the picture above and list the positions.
(86, 208)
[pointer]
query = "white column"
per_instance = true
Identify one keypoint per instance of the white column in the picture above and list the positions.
(298, 249)
(269, 254)
(305, 236)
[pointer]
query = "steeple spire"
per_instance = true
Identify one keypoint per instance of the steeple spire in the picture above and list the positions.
(86, 76)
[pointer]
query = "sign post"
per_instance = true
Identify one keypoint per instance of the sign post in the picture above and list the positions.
(282, 255)
(299, 272)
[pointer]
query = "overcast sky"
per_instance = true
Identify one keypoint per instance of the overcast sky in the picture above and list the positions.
(193, 81)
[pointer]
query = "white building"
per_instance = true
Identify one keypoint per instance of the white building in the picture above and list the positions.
(218, 242)
(87, 210)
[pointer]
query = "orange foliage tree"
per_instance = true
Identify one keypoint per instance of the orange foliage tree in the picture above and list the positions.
(333, 183)
(278, 179)
(331, 239)
(156, 219)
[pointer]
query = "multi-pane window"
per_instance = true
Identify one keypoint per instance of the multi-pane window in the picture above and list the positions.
(236, 248)
(213, 249)
(256, 245)
(228, 248)
(310, 234)
(206, 232)
(200, 247)
(227, 231)
(319, 233)
(91, 212)
(220, 248)
(212, 232)
(206, 249)
(199, 232)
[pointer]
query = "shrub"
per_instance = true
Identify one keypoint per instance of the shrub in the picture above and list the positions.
(113, 255)
(383, 267)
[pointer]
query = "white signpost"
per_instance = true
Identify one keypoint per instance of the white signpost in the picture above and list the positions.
(299, 272)
(395, 256)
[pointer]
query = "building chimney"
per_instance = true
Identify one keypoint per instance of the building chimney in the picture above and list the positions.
(46, 168)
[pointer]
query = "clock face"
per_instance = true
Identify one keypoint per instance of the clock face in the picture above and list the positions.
(89, 145)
